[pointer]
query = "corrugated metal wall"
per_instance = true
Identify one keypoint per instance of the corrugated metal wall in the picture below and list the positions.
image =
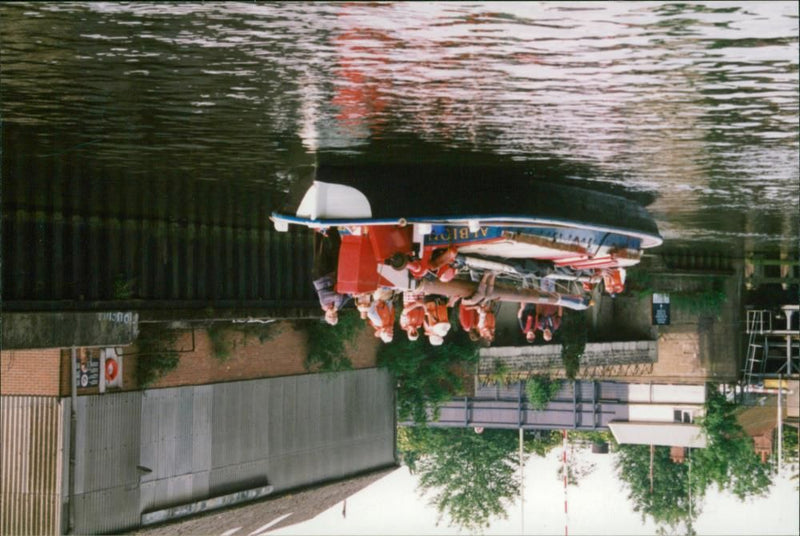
(87, 237)
(192, 443)
(106, 455)
(31, 463)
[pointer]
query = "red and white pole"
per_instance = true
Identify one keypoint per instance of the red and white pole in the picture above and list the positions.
(564, 461)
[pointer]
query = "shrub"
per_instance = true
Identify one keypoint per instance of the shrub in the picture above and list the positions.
(573, 337)
(156, 353)
(326, 343)
(541, 389)
(427, 375)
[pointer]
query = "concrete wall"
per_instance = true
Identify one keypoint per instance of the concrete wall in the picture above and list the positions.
(662, 394)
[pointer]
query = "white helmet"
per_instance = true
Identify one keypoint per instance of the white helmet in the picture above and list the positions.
(387, 336)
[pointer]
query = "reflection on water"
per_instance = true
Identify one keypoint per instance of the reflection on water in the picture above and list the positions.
(154, 139)
(697, 102)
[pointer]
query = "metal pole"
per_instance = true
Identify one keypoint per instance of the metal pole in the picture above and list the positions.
(521, 485)
(73, 424)
(780, 423)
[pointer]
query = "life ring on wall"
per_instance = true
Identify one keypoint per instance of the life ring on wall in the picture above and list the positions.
(112, 369)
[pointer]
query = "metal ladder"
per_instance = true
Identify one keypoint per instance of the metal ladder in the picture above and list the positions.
(759, 322)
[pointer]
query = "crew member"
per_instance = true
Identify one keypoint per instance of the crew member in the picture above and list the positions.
(548, 319)
(323, 272)
(436, 323)
(412, 317)
(526, 316)
(381, 316)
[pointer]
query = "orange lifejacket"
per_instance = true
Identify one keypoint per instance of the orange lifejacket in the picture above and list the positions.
(412, 317)
(385, 314)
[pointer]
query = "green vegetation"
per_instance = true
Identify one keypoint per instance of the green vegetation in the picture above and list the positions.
(540, 389)
(573, 334)
(729, 461)
(156, 353)
(500, 374)
(123, 288)
(669, 503)
(469, 477)
(220, 347)
(703, 301)
(327, 344)
(706, 302)
(427, 375)
(791, 454)
(540, 442)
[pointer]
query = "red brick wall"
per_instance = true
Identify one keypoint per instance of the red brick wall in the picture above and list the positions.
(30, 372)
(282, 355)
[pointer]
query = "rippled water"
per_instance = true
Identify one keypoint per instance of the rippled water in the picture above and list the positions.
(696, 103)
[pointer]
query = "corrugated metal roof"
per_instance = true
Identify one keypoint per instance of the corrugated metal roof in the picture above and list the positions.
(667, 434)
(31, 462)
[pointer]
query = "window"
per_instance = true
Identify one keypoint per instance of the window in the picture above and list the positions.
(682, 415)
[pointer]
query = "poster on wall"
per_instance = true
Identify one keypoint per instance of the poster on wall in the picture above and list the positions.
(87, 372)
(660, 309)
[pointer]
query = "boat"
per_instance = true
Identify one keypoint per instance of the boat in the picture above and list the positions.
(545, 243)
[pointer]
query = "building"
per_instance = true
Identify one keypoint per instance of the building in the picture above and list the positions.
(113, 462)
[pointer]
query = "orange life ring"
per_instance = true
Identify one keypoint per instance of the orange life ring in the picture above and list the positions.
(112, 369)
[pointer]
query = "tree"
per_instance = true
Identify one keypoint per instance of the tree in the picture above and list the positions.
(668, 503)
(469, 477)
(426, 375)
(729, 460)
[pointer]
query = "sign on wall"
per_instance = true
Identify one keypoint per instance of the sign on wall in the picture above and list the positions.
(661, 309)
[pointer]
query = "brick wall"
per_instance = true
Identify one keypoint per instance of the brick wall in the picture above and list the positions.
(30, 372)
(281, 355)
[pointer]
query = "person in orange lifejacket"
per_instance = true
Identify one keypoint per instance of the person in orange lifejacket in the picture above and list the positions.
(413, 316)
(381, 316)
(526, 315)
(614, 281)
(363, 301)
(439, 262)
(486, 322)
(468, 319)
(436, 323)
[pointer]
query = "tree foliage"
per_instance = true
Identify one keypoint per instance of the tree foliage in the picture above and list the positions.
(327, 344)
(156, 353)
(540, 442)
(729, 461)
(471, 478)
(668, 503)
(573, 334)
(541, 389)
(426, 375)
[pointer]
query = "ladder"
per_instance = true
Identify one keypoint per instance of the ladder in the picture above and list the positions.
(759, 322)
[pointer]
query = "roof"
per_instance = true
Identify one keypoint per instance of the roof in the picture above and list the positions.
(667, 434)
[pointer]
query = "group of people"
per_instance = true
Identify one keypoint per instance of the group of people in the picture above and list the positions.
(424, 314)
